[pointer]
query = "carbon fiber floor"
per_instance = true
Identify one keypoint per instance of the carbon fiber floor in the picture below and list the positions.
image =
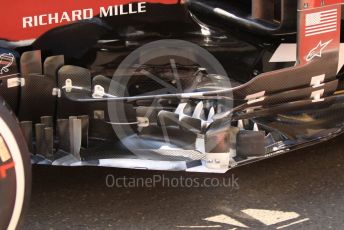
(170, 155)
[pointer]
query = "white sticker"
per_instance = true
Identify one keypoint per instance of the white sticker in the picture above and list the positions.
(13, 82)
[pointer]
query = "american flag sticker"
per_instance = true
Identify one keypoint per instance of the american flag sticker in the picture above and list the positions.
(321, 22)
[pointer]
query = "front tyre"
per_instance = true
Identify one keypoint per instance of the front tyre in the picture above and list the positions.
(15, 170)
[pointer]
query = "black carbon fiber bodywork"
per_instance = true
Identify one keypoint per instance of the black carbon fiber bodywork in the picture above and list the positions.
(68, 73)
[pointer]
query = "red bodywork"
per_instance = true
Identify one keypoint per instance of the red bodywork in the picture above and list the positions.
(13, 12)
(319, 40)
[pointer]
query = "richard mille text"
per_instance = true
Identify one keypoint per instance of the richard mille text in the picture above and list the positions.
(82, 14)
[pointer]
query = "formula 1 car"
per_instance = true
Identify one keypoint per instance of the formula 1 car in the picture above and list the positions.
(195, 85)
(174, 85)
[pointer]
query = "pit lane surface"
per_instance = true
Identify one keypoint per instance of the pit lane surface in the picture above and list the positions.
(300, 190)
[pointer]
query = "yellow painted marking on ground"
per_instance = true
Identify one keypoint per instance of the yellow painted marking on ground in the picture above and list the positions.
(270, 217)
(293, 223)
(224, 219)
(206, 227)
(4, 153)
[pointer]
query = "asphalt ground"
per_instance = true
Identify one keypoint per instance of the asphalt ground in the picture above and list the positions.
(300, 190)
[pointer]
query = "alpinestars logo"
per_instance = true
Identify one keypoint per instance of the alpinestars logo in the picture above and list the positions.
(317, 51)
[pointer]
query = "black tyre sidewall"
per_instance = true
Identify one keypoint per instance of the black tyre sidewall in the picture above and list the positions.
(8, 185)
